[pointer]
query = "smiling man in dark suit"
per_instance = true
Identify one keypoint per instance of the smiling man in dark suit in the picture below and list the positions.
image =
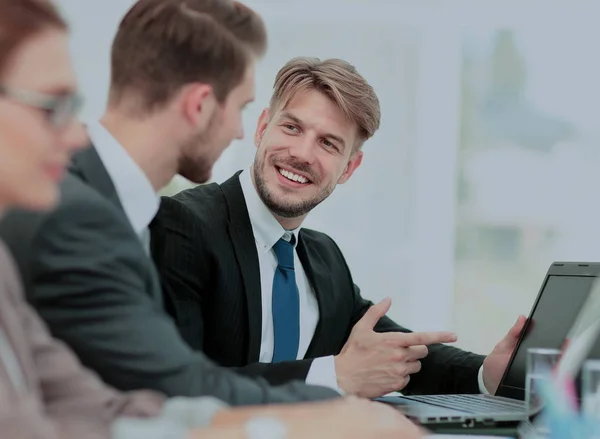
(255, 291)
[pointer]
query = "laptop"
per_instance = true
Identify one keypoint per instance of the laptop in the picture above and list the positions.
(556, 314)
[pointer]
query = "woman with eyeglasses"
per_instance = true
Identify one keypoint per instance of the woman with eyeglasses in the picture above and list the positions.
(44, 391)
(38, 101)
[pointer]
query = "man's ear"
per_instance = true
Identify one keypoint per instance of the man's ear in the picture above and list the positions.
(354, 163)
(199, 105)
(261, 126)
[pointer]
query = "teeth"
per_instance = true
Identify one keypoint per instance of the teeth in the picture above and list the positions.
(291, 176)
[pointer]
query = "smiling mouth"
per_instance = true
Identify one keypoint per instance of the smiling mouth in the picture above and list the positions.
(292, 177)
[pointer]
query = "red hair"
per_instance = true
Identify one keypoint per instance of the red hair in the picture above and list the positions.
(21, 19)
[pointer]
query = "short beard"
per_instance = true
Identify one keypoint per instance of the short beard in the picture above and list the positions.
(283, 209)
(197, 167)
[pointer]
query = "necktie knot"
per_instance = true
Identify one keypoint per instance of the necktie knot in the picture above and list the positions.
(284, 251)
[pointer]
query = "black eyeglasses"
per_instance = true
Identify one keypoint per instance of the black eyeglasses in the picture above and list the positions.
(60, 109)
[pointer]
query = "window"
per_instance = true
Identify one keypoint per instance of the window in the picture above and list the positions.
(528, 166)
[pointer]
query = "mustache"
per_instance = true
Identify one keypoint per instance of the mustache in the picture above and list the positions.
(296, 165)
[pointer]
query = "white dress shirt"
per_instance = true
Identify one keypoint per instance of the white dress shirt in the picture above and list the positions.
(482, 387)
(138, 198)
(267, 231)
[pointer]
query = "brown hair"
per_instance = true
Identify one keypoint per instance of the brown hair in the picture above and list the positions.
(21, 19)
(337, 79)
(162, 45)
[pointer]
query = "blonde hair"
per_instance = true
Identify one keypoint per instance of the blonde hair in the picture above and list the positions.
(338, 80)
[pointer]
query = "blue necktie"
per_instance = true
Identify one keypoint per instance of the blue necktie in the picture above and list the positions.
(285, 303)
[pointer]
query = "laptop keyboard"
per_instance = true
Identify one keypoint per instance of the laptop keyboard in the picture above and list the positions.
(470, 403)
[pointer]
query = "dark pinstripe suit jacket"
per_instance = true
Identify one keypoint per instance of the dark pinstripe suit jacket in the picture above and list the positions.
(204, 248)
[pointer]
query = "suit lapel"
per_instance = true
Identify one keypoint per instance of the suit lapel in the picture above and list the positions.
(17, 344)
(11, 295)
(320, 280)
(244, 245)
(88, 166)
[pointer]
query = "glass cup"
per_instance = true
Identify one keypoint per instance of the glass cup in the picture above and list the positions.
(590, 388)
(541, 363)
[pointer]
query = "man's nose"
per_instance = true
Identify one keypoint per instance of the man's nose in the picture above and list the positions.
(304, 150)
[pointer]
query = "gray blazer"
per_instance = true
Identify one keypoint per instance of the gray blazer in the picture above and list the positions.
(44, 390)
(89, 277)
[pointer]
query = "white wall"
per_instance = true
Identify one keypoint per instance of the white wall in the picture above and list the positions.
(93, 25)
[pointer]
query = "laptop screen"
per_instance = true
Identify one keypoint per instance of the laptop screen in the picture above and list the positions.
(556, 309)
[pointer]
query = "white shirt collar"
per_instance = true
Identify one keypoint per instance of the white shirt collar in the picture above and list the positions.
(135, 191)
(267, 230)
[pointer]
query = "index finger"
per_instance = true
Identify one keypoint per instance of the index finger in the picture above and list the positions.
(405, 339)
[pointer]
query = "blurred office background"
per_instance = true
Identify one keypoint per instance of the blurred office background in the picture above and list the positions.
(486, 165)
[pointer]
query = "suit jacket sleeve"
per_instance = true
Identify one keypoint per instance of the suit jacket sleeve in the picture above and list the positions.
(77, 403)
(88, 284)
(184, 268)
(71, 403)
(445, 370)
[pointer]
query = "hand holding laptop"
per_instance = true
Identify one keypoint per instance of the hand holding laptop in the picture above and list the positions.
(372, 364)
(566, 304)
(496, 362)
